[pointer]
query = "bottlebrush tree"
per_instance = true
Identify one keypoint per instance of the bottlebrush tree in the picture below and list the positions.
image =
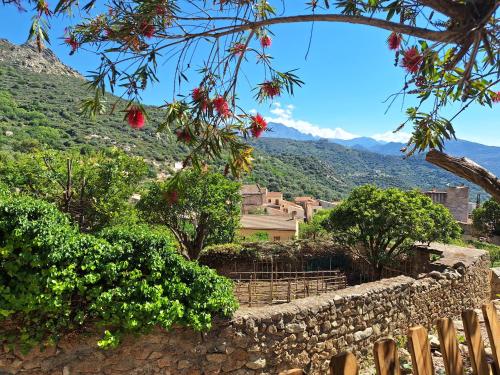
(448, 48)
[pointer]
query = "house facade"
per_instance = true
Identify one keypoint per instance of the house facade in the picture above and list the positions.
(455, 198)
(278, 228)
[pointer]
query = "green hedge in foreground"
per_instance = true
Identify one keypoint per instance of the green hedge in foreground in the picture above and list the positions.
(54, 280)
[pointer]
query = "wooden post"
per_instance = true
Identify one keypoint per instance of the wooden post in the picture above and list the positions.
(386, 357)
(452, 357)
(250, 292)
(420, 350)
(475, 343)
(493, 327)
(289, 293)
(272, 284)
(344, 364)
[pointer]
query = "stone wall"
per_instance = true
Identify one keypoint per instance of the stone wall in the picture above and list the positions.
(304, 333)
(495, 282)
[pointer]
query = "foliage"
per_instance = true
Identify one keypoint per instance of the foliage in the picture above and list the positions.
(200, 208)
(260, 236)
(486, 218)
(93, 188)
(314, 229)
(380, 225)
(54, 280)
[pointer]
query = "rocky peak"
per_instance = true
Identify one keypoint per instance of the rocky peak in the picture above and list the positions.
(27, 56)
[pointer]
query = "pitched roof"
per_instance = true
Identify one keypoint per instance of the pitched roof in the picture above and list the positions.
(275, 194)
(268, 222)
(251, 189)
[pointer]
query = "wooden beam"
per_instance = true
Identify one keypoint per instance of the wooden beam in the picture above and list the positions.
(466, 168)
(344, 364)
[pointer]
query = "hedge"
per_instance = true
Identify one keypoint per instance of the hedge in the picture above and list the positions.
(54, 280)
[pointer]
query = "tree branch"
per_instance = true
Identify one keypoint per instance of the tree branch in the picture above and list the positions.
(467, 169)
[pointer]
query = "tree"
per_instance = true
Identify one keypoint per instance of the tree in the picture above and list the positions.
(94, 189)
(449, 48)
(314, 229)
(486, 218)
(200, 208)
(380, 225)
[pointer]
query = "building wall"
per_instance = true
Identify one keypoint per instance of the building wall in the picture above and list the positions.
(283, 235)
(457, 201)
(304, 333)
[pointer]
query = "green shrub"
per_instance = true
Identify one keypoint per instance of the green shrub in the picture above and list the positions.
(54, 280)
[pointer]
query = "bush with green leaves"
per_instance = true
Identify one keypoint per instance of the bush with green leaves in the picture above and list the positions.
(379, 225)
(55, 280)
(486, 218)
(314, 228)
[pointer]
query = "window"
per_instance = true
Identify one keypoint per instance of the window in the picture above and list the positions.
(276, 238)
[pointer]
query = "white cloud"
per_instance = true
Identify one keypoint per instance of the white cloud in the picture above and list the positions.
(284, 115)
(390, 136)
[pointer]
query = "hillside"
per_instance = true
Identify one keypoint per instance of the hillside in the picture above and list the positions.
(39, 107)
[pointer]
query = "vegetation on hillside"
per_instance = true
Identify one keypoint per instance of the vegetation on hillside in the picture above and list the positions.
(55, 280)
(486, 218)
(324, 170)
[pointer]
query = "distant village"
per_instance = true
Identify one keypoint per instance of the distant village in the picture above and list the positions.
(268, 212)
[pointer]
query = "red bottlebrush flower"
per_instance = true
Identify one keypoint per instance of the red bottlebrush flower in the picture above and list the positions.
(183, 136)
(394, 40)
(265, 41)
(72, 42)
(238, 49)
(197, 94)
(258, 125)
(221, 106)
(412, 59)
(171, 197)
(135, 117)
(147, 30)
(496, 97)
(271, 89)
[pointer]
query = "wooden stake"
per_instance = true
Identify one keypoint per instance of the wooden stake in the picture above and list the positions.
(420, 350)
(491, 320)
(475, 343)
(386, 357)
(452, 357)
(344, 364)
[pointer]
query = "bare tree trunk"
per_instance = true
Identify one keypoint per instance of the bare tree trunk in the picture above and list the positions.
(467, 169)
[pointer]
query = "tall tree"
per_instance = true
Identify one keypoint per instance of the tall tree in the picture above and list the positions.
(486, 218)
(200, 209)
(380, 225)
(449, 49)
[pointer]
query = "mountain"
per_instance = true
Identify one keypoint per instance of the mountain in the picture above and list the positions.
(487, 156)
(39, 108)
(277, 130)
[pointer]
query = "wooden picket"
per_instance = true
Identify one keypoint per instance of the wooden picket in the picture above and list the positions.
(493, 328)
(344, 364)
(475, 344)
(420, 350)
(386, 354)
(452, 357)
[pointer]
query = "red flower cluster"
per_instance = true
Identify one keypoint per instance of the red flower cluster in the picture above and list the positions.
(221, 106)
(199, 96)
(171, 197)
(271, 89)
(147, 30)
(238, 49)
(72, 42)
(496, 97)
(265, 41)
(135, 117)
(183, 136)
(412, 59)
(258, 125)
(394, 40)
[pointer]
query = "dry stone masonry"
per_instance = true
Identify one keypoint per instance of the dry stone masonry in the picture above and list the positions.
(304, 333)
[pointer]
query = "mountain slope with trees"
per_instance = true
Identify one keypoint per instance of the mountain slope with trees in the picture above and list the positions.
(40, 111)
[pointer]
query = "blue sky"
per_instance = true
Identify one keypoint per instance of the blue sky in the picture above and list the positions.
(348, 74)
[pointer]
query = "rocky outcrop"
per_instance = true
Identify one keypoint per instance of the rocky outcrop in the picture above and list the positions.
(304, 333)
(27, 56)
